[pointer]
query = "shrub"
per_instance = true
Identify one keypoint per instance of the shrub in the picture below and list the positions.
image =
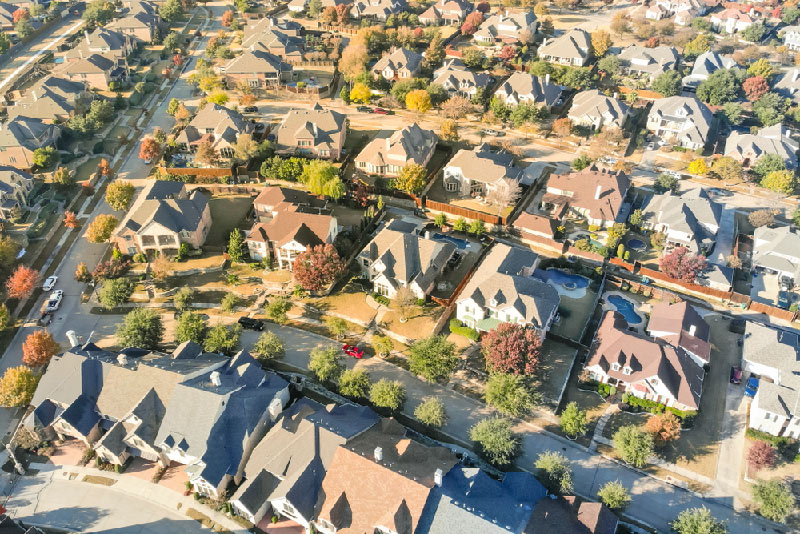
(614, 495)
(457, 328)
(573, 420)
(633, 445)
(761, 455)
(431, 412)
(554, 472)
(355, 383)
(496, 440)
(774, 498)
(509, 394)
(326, 364)
(268, 347)
(387, 394)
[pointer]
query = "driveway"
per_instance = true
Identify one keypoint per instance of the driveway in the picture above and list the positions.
(765, 288)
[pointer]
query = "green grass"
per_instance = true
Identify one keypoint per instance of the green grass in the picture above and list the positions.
(85, 170)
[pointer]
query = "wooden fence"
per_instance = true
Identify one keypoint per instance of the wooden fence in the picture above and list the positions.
(196, 171)
(463, 212)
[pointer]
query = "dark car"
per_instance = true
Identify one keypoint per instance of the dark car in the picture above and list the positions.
(736, 375)
(737, 326)
(250, 109)
(751, 387)
(251, 324)
(364, 109)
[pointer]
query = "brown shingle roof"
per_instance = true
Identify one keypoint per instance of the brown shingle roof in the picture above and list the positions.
(535, 223)
(584, 188)
(678, 319)
(308, 229)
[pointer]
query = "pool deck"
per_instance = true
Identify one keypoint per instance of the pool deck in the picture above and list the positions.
(636, 306)
(563, 291)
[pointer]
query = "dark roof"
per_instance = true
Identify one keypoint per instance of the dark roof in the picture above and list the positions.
(571, 515)
(81, 415)
(258, 490)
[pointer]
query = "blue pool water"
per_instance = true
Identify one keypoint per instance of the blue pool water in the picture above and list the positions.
(626, 308)
(460, 243)
(636, 244)
(568, 280)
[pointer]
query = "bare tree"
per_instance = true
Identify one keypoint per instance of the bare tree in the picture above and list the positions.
(404, 302)
(504, 196)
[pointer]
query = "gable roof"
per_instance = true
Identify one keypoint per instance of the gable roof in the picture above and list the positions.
(257, 60)
(167, 206)
(50, 97)
(225, 123)
(571, 515)
(692, 212)
(308, 229)
(506, 25)
(523, 86)
(482, 164)
(574, 44)
(399, 59)
(411, 144)
(594, 104)
(600, 191)
(529, 222)
(688, 110)
(318, 124)
(776, 140)
(684, 326)
(274, 196)
(651, 60)
(777, 248)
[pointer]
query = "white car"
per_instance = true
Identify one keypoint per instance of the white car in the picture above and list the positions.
(55, 300)
(50, 283)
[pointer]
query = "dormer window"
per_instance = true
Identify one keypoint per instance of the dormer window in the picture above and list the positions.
(654, 381)
(615, 367)
(627, 370)
(492, 302)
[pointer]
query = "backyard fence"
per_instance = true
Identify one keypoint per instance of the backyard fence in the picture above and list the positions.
(196, 171)
(463, 212)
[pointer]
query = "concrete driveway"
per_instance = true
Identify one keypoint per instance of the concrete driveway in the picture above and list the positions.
(765, 288)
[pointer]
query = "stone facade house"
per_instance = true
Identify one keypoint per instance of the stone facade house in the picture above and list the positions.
(777, 140)
(690, 219)
(508, 27)
(15, 186)
(573, 48)
(522, 87)
(596, 111)
(314, 132)
(481, 172)
(593, 194)
(217, 125)
(399, 64)
(387, 156)
(21, 136)
(257, 67)
(682, 120)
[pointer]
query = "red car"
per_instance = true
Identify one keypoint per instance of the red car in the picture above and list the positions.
(381, 111)
(354, 351)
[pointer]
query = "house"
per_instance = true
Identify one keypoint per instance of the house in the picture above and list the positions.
(655, 12)
(595, 110)
(685, 17)
(379, 482)
(52, 99)
(790, 36)
(387, 156)
(257, 67)
(671, 7)
(106, 42)
(731, 21)
(96, 71)
(504, 290)
(772, 354)
(469, 500)
(682, 120)
(482, 172)
(162, 218)
(533, 227)
(271, 200)
(20, 136)
(141, 21)
(315, 132)
(395, 259)
(689, 219)
(9, 526)
(281, 38)
(777, 251)
(399, 64)
(705, 65)
(377, 9)
(508, 27)
(571, 515)
(777, 140)
(285, 472)
(522, 87)
(680, 325)
(787, 85)
(291, 232)
(646, 62)
(593, 194)
(217, 125)
(15, 186)
(447, 11)
(457, 79)
(573, 48)
(642, 366)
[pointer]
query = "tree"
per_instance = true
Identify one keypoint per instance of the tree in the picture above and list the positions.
(229, 302)
(431, 412)
(317, 175)
(119, 194)
(780, 181)
(495, 439)
(277, 309)
(501, 197)
(581, 162)
(573, 420)
(449, 130)
(236, 246)
(268, 347)
(720, 87)
(698, 521)
(20, 284)
(360, 93)
(183, 298)
(511, 348)
(761, 455)
(149, 149)
(354, 59)
(766, 164)
(697, 46)
(115, 292)
(17, 387)
(98, 12)
(317, 267)
(336, 326)
(182, 113)
(355, 383)
(759, 218)
(774, 499)
(71, 219)
(620, 23)
(387, 394)
(314, 8)
(418, 100)
(44, 157)
(509, 394)
(754, 33)
(245, 148)
(405, 302)
(755, 87)
(160, 268)
(434, 358)
(223, 339)
(726, 168)
(39, 347)
(412, 178)
(172, 42)
(633, 445)
(477, 227)
(328, 15)
(191, 327)
(733, 112)
(554, 472)
(770, 108)
(601, 42)
(326, 364)
(142, 329)
(681, 265)
(614, 495)
(460, 225)
(698, 167)
(171, 10)
(636, 219)
(383, 345)
(473, 58)
(82, 273)
(457, 107)
(664, 427)
(610, 65)
(205, 153)
(101, 228)
(5, 317)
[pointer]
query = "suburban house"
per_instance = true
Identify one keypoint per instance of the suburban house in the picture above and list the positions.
(15, 186)
(571, 515)
(395, 259)
(141, 21)
(705, 65)
(217, 125)
(379, 482)
(787, 85)
(522, 87)
(690, 219)
(504, 290)
(682, 120)
(446, 11)
(572, 48)
(642, 366)
(281, 38)
(388, 155)
(457, 79)
(96, 71)
(773, 355)
(648, 62)
(52, 99)
(163, 217)
(535, 227)
(7, 16)
(777, 251)
(482, 172)
(272, 200)
(671, 7)
(790, 36)
(509, 27)
(257, 67)
(292, 231)
(20, 136)
(595, 110)
(399, 64)
(776, 139)
(285, 472)
(376, 9)
(109, 43)
(680, 325)
(655, 12)
(315, 132)
(593, 194)
(469, 498)
(731, 21)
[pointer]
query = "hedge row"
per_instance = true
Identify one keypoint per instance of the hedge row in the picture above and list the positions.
(467, 332)
(656, 407)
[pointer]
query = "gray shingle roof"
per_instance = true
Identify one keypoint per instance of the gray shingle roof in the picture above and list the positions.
(595, 105)
(318, 124)
(774, 140)
(695, 116)
(482, 164)
(525, 87)
(400, 58)
(692, 212)
(653, 61)
(257, 60)
(574, 44)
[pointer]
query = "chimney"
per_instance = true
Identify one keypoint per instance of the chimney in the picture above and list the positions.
(437, 477)
(547, 78)
(33, 94)
(544, 42)
(214, 377)
(692, 330)
(122, 359)
(427, 234)
(598, 191)
(378, 454)
(794, 75)
(616, 95)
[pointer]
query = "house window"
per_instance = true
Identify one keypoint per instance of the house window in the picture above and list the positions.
(327, 525)
(324, 153)
(209, 130)
(615, 367)
(627, 370)
(303, 142)
(381, 289)
(12, 159)
(185, 234)
(451, 186)
(254, 83)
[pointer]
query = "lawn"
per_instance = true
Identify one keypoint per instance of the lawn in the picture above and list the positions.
(227, 213)
(554, 367)
(575, 314)
(85, 170)
(418, 326)
(349, 303)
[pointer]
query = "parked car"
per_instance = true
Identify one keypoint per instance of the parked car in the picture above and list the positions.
(353, 350)
(50, 283)
(381, 111)
(783, 300)
(45, 319)
(364, 109)
(736, 375)
(787, 284)
(751, 387)
(251, 324)
(490, 131)
(250, 109)
(55, 300)
(716, 191)
(737, 326)
(650, 146)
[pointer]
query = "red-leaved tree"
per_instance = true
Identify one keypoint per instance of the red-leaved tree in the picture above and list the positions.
(20, 283)
(508, 52)
(755, 87)
(761, 455)
(149, 149)
(467, 28)
(38, 348)
(681, 265)
(227, 18)
(177, 59)
(20, 14)
(665, 427)
(511, 348)
(317, 267)
(70, 219)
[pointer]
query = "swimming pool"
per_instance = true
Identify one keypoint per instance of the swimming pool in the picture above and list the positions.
(626, 308)
(460, 243)
(565, 279)
(636, 244)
